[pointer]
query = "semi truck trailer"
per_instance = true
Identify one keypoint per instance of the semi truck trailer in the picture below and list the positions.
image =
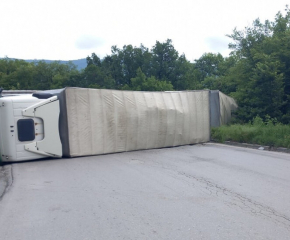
(74, 122)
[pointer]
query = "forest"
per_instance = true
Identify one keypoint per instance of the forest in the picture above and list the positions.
(256, 73)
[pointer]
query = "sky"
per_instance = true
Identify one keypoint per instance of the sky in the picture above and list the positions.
(73, 29)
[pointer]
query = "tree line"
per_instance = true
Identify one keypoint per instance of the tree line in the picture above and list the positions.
(256, 74)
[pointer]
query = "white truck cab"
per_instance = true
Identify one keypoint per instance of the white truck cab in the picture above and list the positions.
(29, 128)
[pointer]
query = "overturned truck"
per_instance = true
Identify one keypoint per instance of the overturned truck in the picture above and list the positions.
(75, 122)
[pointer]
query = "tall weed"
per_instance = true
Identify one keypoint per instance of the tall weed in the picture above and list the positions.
(268, 132)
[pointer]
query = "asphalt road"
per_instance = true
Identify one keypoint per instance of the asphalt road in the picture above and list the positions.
(208, 191)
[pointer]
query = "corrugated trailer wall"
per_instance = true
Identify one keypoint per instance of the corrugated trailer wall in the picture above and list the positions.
(107, 121)
(227, 106)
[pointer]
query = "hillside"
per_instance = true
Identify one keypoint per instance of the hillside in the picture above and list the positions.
(80, 63)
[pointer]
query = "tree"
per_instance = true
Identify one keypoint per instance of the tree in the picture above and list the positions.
(93, 60)
(262, 70)
(142, 83)
(164, 57)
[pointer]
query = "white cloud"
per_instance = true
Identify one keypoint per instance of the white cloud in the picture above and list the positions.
(89, 42)
(73, 29)
(217, 44)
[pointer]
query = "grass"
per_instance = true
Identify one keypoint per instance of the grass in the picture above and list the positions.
(267, 133)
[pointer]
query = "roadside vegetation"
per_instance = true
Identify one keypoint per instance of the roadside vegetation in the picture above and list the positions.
(268, 133)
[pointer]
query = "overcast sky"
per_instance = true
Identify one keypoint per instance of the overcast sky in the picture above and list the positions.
(73, 29)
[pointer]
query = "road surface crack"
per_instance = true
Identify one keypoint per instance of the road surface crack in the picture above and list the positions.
(6, 179)
(240, 201)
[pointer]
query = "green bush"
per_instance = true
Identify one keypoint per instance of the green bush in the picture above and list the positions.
(268, 132)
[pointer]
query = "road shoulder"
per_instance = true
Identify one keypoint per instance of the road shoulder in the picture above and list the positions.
(254, 146)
